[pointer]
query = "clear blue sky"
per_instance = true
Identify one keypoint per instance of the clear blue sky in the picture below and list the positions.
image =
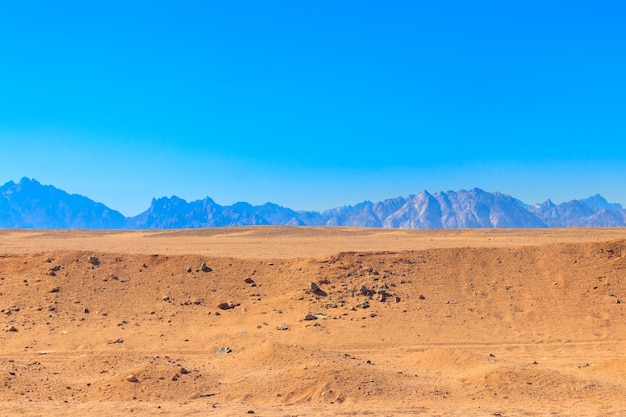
(314, 104)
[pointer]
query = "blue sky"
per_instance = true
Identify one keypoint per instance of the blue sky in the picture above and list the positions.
(314, 104)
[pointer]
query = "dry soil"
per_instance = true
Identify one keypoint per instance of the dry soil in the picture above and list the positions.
(433, 323)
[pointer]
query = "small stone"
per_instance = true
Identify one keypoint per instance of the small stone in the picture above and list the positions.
(132, 378)
(189, 270)
(86, 310)
(11, 329)
(283, 326)
(224, 350)
(165, 298)
(310, 317)
(225, 306)
(421, 297)
(312, 287)
(183, 371)
(93, 260)
(204, 267)
(55, 289)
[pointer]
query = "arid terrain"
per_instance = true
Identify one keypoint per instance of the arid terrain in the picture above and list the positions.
(274, 321)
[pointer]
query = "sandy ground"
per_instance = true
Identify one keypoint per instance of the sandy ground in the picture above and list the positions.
(433, 323)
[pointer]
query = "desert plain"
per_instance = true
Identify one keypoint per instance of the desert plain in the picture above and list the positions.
(275, 321)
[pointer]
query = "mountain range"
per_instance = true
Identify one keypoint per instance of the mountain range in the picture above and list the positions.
(29, 204)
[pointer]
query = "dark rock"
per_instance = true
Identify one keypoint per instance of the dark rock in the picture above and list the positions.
(312, 287)
(224, 350)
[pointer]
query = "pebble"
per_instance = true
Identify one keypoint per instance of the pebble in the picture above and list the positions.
(312, 287)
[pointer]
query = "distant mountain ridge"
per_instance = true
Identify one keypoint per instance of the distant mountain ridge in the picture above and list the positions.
(29, 204)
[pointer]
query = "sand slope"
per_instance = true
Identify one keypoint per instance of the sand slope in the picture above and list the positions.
(502, 323)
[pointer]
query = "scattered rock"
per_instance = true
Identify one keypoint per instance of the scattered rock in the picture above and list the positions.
(310, 317)
(165, 298)
(224, 350)
(183, 371)
(283, 326)
(55, 289)
(86, 310)
(11, 329)
(421, 297)
(225, 306)
(132, 378)
(189, 270)
(93, 260)
(204, 267)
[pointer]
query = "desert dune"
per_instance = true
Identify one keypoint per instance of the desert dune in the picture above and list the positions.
(276, 321)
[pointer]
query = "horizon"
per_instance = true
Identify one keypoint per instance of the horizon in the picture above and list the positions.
(314, 106)
(156, 198)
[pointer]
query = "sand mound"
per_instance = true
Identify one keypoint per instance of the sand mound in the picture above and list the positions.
(454, 330)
